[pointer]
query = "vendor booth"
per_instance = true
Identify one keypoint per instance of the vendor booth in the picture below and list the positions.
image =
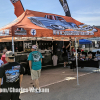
(84, 41)
(38, 24)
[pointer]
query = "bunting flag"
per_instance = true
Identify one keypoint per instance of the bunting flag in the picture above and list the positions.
(65, 7)
(18, 7)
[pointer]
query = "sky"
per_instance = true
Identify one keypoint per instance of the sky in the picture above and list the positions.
(85, 11)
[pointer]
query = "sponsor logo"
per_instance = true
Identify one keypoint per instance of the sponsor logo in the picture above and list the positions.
(4, 32)
(14, 1)
(57, 32)
(20, 31)
(85, 27)
(33, 31)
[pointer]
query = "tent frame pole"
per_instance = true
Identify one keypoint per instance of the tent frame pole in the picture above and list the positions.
(12, 44)
(76, 62)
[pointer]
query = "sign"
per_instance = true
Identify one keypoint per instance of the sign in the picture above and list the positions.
(20, 31)
(59, 23)
(4, 32)
(33, 31)
(57, 32)
(27, 46)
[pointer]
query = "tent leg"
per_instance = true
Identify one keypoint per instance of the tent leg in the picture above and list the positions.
(12, 44)
(76, 63)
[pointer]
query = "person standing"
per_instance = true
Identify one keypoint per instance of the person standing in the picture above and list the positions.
(72, 51)
(12, 74)
(55, 59)
(1, 63)
(3, 56)
(35, 60)
(65, 54)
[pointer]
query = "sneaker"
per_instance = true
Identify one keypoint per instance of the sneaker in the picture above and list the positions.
(37, 91)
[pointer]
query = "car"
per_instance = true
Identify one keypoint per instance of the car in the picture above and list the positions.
(95, 50)
(52, 22)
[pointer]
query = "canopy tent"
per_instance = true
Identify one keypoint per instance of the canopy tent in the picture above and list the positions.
(39, 24)
(84, 41)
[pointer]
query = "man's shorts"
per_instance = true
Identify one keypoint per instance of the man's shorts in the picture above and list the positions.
(35, 74)
(65, 59)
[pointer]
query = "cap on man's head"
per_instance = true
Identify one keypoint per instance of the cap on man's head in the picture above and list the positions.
(9, 54)
(34, 47)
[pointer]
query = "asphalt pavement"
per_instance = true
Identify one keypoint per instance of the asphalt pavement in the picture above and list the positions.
(62, 84)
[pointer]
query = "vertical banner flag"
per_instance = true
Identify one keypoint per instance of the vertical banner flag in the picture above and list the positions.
(65, 7)
(18, 7)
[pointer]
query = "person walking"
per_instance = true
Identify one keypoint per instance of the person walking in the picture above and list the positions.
(65, 54)
(12, 74)
(35, 60)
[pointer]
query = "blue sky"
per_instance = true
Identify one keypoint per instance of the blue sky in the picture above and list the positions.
(85, 11)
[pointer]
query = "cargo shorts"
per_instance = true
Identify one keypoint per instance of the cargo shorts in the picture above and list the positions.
(35, 74)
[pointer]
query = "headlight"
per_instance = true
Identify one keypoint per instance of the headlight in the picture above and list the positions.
(58, 27)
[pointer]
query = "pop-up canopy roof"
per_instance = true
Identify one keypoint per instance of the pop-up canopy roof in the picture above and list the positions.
(39, 24)
(84, 41)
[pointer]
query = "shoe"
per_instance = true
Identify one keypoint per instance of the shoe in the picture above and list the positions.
(64, 66)
(37, 91)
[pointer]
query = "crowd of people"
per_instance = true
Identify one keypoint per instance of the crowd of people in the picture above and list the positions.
(66, 52)
(9, 68)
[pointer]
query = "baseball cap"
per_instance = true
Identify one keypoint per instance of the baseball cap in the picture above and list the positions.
(34, 47)
(9, 54)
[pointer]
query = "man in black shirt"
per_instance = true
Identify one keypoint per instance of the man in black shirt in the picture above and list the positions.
(12, 73)
(65, 54)
(79, 49)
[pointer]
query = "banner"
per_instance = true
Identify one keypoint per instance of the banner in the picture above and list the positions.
(65, 7)
(18, 7)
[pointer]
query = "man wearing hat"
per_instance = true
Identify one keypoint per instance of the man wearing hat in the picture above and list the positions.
(12, 73)
(35, 59)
